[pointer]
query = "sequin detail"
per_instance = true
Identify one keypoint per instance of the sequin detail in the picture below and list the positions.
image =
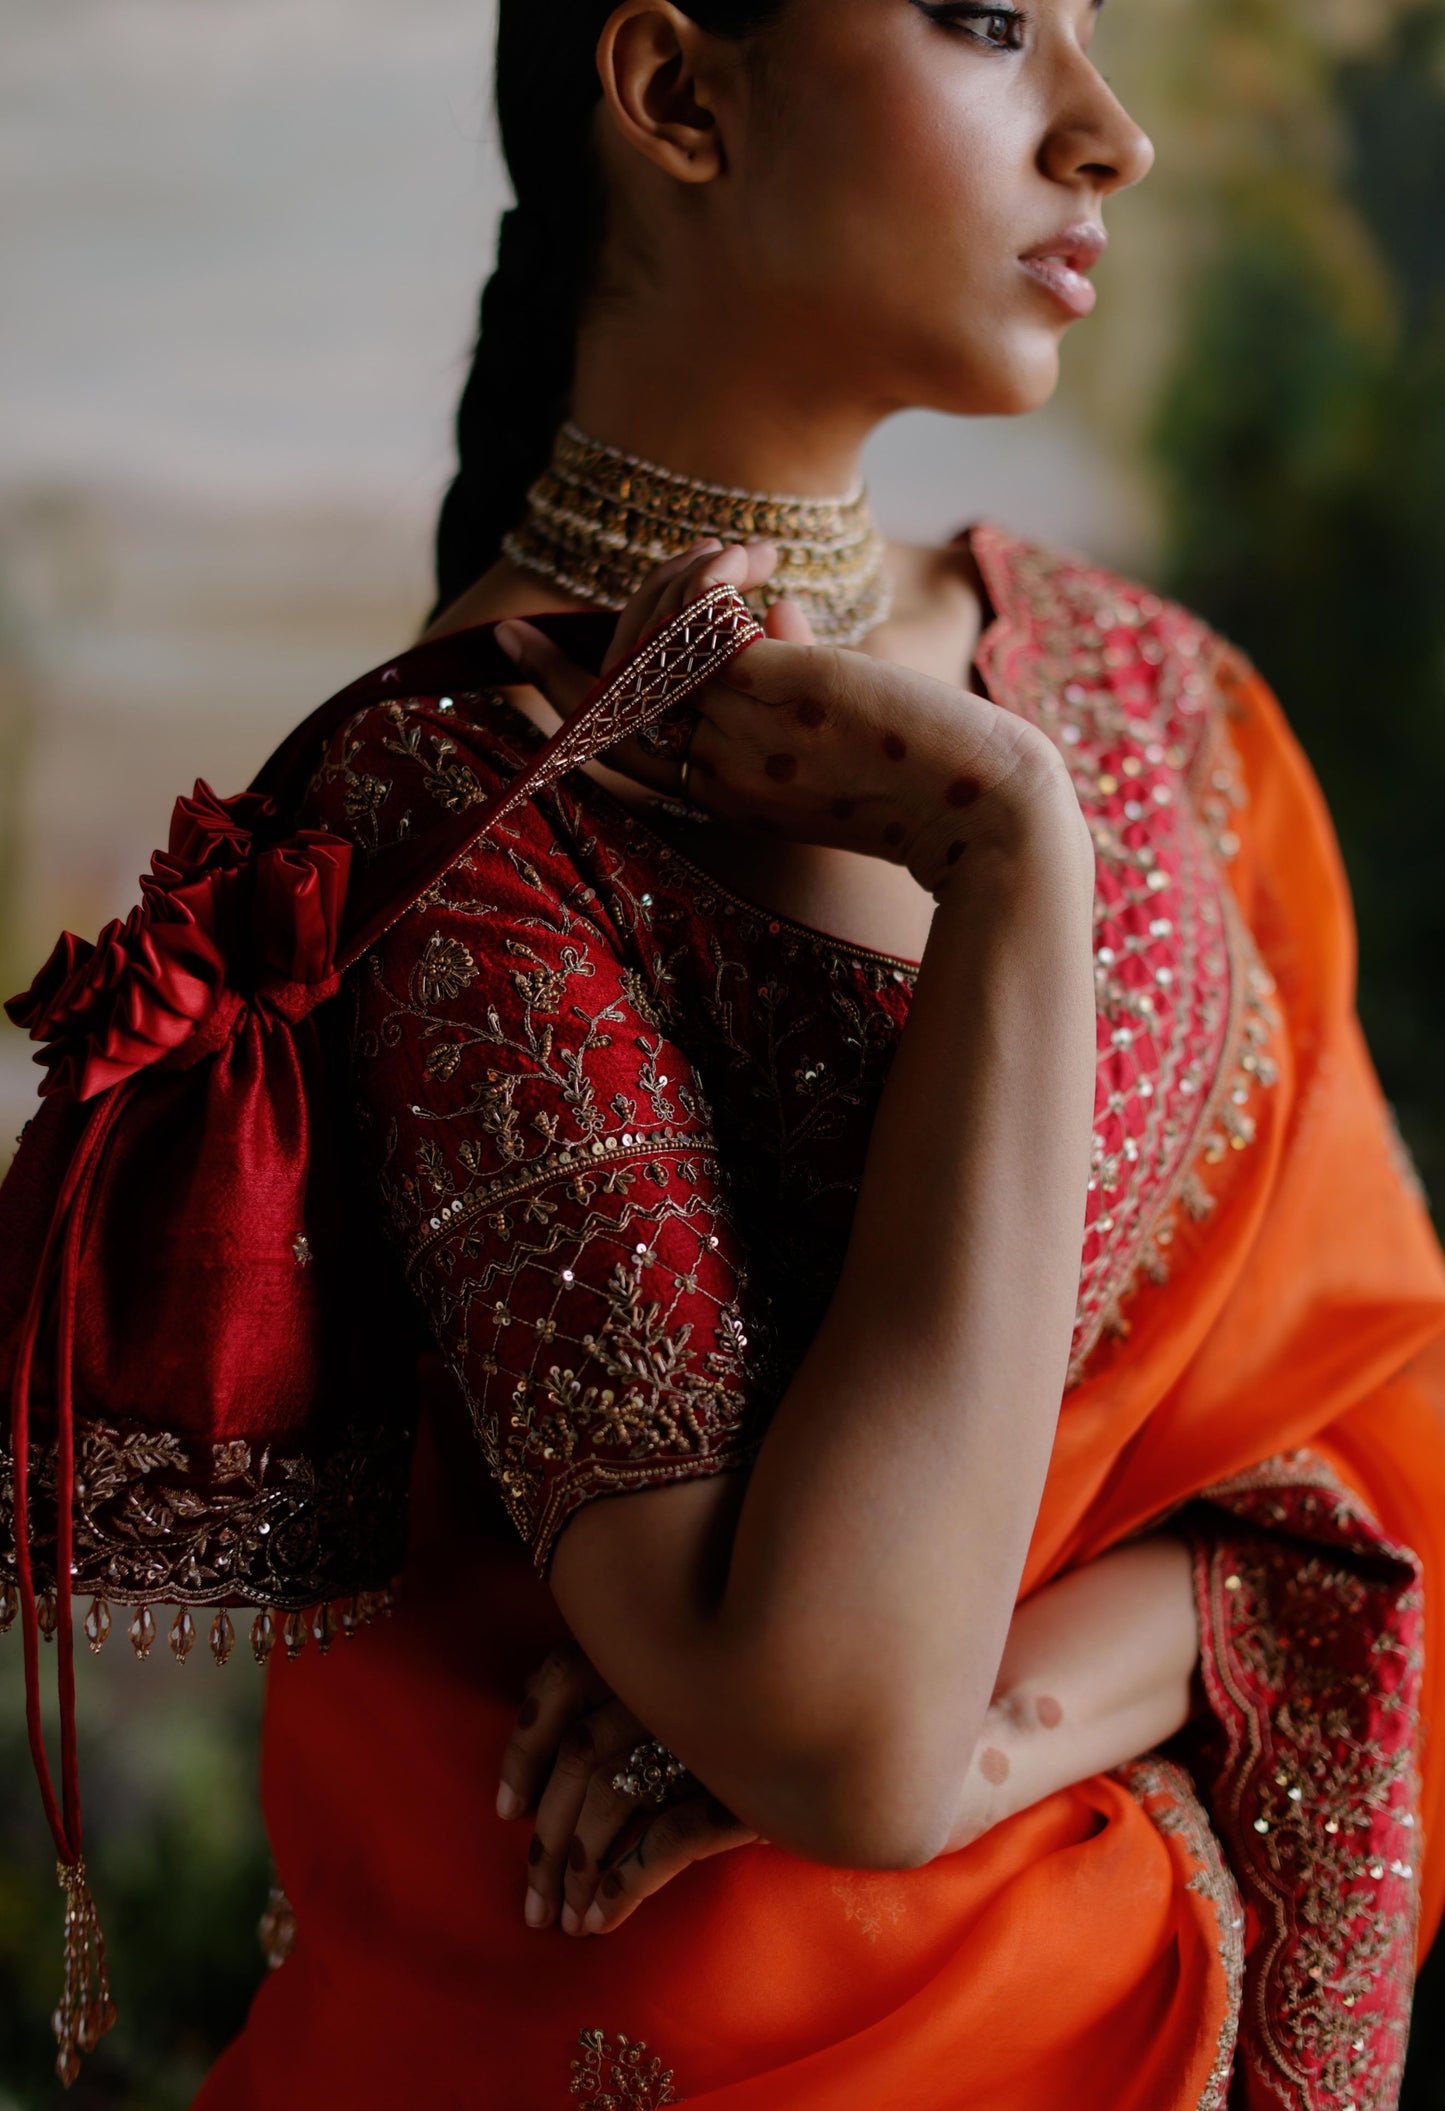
(1168, 1796)
(157, 1520)
(1312, 1628)
(1136, 693)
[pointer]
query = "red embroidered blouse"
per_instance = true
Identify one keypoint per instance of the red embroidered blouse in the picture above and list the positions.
(619, 1115)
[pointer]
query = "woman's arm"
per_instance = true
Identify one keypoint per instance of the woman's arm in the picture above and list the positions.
(820, 1641)
(821, 1645)
(1098, 1669)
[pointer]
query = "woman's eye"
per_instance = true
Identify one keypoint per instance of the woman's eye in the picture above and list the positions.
(999, 26)
(999, 18)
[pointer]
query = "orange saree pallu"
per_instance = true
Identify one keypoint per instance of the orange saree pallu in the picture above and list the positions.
(615, 1116)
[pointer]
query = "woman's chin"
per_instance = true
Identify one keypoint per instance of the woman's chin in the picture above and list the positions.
(1022, 379)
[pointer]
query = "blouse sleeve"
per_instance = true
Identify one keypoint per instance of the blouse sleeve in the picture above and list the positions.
(544, 1150)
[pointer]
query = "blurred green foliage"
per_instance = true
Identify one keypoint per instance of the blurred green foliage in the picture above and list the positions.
(1301, 442)
(178, 1864)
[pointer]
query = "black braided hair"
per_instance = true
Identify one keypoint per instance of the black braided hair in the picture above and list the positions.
(517, 393)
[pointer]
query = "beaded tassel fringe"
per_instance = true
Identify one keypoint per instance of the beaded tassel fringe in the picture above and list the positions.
(86, 2011)
(320, 1624)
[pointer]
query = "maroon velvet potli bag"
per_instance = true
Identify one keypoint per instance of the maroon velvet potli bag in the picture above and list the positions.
(206, 1355)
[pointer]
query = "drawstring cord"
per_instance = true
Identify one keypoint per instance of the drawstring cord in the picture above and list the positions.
(86, 2011)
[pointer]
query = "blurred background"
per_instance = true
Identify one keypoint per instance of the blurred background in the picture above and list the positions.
(243, 241)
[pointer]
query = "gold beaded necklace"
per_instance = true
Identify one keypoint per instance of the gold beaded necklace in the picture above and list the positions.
(598, 520)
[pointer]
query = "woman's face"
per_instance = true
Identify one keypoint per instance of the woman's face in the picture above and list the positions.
(898, 160)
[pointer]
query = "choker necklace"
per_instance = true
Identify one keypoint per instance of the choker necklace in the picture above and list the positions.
(598, 520)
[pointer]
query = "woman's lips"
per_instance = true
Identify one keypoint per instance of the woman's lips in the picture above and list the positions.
(1069, 287)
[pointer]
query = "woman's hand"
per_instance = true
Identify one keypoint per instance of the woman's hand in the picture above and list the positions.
(596, 1853)
(824, 746)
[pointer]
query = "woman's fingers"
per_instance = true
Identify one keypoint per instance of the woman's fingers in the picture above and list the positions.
(606, 1816)
(559, 1691)
(646, 610)
(544, 665)
(672, 588)
(605, 1736)
(786, 623)
(677, 1837)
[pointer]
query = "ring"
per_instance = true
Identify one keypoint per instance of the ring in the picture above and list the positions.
(651, 1773)
(671, 736)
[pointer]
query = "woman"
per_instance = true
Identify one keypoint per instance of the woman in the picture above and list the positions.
(1049, 1640)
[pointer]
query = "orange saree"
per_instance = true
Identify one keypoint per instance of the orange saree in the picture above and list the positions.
(616, 1145)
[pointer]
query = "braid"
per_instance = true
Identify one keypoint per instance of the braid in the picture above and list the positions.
(518, 391)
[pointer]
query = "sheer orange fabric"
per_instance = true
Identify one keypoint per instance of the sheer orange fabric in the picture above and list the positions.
(1260, 1361)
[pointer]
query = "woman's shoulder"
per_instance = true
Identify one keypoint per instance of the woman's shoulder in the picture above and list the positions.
(400, 767)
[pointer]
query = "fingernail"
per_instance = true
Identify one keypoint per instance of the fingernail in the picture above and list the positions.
(570, 1922)
(536, 1912)
(595, 1920)
(510, 640)
(509, 1803)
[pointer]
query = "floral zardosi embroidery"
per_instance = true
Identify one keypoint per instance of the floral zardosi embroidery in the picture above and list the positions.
(619, 2075)
(1312, 1624)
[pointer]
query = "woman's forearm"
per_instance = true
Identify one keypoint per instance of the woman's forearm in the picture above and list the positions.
(1098, 1669)
(821, 1642)
(884, 1528)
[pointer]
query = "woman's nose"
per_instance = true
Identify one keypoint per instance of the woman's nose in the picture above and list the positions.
(1098, 139)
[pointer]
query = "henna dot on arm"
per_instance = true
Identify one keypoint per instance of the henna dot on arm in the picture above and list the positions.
(962, 791)
(782, 768)
(1050, 1714)
(844, 809)
(895, 747)
(811, 712)
(993, 1765)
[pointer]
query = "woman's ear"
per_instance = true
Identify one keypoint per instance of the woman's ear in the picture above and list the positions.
(660, 82)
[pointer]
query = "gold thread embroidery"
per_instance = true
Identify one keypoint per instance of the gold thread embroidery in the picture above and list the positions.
(619, 2076)
(155, 1521)
(1330, 1811)
(1181, 1814)
(870, 1901)
(1134, 690)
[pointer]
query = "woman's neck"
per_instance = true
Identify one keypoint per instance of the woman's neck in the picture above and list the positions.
(709, 410)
